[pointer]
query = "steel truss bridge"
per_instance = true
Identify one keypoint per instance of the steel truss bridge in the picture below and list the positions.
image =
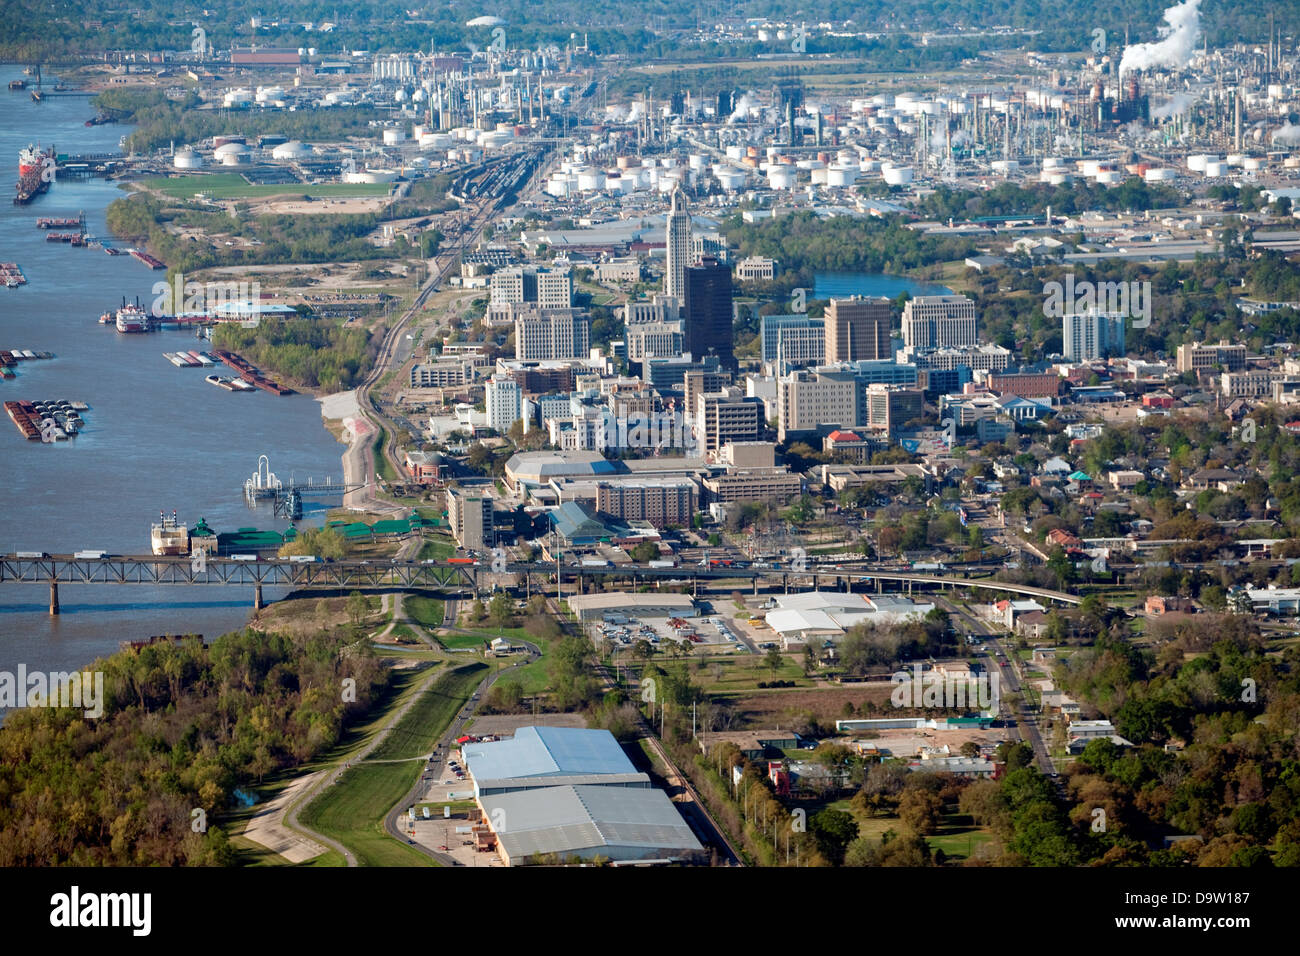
(379, 575)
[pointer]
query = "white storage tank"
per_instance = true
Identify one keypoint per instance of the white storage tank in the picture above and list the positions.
(840, 176)
(1196, 163)
(730, 178)
(1006, 167)
(1252, 163)
(291, 150)
(436, 141)
(781, 176)
(1108, 177)
(898, 175)
(1234, 159)
(1161, 174)
(237, 98)
(187, 158)
(1216, 168)
(231, 154)
(371, 176)
(590, 179)
(394, 135)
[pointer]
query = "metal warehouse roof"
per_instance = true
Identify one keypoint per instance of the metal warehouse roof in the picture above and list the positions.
(570, 819)
(547, 751)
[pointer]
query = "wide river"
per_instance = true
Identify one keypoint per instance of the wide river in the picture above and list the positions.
(157, 437)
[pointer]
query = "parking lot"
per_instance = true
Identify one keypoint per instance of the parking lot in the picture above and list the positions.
(713, 634)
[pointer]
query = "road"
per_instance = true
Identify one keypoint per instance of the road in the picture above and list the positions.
(1013, 704)
(418, 791)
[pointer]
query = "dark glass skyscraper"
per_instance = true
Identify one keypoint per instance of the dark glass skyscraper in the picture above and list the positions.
(708, 311)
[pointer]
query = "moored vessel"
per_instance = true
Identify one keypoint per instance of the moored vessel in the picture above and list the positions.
(169, 536)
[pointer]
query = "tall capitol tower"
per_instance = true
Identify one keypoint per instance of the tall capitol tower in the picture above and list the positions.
(679, 245)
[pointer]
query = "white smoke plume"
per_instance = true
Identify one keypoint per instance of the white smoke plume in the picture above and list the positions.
(746, 103)
(1177, 45)
(1288, 135)
(1176, 105)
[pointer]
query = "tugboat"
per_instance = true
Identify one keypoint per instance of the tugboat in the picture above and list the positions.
(169, 537)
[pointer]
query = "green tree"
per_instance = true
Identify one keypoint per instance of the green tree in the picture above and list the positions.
(357, 608)
(833, 830)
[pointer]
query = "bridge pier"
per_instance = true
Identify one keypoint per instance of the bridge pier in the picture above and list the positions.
(257, 597)
(756, 585)
(54, 598)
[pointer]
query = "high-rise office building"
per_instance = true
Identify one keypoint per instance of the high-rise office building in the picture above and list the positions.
(857, 329)
(545, 334)
(708, 312)
(793, 340)
(547, 288)
(678, 245)
(939, 321)
(505, 402)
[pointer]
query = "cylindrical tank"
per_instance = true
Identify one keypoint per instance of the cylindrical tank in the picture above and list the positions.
(781, 176)
(187, 158)
(898, 175)
(394, 135)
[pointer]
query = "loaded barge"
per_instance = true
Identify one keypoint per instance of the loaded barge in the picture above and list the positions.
(250, 374)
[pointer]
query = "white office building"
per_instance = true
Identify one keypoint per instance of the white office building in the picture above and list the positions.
(505, 403)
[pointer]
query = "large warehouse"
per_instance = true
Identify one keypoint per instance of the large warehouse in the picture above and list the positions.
(594, 607)
(549, 757)
(587, 822)
(567, 792)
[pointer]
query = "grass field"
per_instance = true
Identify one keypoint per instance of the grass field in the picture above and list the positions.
(352, 811)
(424, 722)
(427, 612)
(234, 186)
(438, 548)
